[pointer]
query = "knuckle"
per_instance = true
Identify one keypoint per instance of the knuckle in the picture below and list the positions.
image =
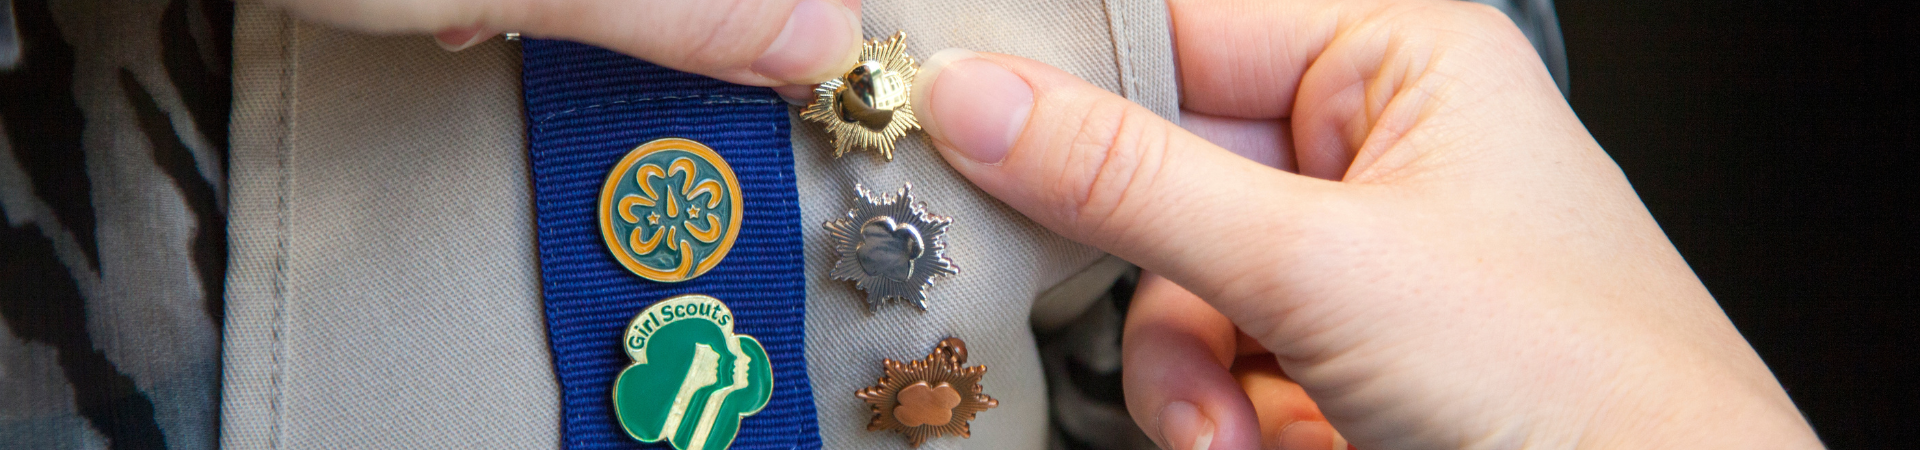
(1116, 153)
(1462, 37)
(1479, 13)
(1453, 17)
(1486, 23)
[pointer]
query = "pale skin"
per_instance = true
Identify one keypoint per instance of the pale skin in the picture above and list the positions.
(1375, 216)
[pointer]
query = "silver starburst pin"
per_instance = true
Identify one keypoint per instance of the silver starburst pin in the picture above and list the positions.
(890, 247)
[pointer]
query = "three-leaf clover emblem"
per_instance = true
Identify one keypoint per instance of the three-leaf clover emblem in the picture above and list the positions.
(670, 210)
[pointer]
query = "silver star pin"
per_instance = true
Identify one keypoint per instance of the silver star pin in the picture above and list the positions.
(890, 247)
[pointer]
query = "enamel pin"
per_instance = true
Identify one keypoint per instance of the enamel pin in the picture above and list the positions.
(869, 108)
(692, 379)
(890, 247)
(670, 210)
(929, 398)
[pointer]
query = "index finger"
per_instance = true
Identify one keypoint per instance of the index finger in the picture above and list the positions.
(754, 42)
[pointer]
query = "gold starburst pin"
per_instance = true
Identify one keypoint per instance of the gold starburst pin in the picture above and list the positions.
(868, 108)
(929, 398)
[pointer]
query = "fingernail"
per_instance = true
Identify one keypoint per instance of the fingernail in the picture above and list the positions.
(820, 41)
(1182, 427)
(458, 39)
(975, 106)
(1309, 435)
(795, 94)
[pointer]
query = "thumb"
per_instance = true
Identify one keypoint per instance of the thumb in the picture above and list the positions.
(1104, 171)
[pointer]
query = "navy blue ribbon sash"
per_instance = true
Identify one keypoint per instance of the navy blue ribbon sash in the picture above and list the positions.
(586, 108)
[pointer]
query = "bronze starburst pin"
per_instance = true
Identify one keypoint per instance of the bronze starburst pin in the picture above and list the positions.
(868, 108)
(929, 398)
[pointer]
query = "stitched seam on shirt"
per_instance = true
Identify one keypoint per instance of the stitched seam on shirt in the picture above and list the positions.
(282, 191)
(1134, 91)
(1117, 30)
(704, 100)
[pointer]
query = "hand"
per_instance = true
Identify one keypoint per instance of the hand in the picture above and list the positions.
(754, 42)
(1477, 274)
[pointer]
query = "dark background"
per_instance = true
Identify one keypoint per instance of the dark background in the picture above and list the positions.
(1775, 143)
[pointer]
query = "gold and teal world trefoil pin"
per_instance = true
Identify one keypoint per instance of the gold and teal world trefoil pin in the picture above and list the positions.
(670, 210)
(868, 108)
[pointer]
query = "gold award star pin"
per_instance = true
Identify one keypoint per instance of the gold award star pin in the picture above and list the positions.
(868, 108)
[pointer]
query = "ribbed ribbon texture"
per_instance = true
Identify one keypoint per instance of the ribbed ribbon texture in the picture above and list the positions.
(586, 108)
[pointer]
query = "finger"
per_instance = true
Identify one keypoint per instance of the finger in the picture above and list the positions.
(756, 42)
(1176, 352)
(1337, 68)
(1247, 345)
(1289, 420)
(457, 39)
(1101, 170)
(795, 94)
(1265, 141)
(1245, 58)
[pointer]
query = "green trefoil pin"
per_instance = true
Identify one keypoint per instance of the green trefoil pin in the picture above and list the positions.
(692, 379)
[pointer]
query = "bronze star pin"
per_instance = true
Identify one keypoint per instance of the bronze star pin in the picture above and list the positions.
(929, 398)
